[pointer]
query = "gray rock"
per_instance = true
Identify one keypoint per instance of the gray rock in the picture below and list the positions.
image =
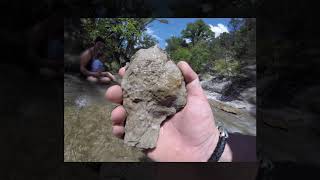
(205, 77)
(249, 95)
(220, 87)
(153, 89)
(215, 86)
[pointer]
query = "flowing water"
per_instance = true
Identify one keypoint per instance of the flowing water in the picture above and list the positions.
(87, 125)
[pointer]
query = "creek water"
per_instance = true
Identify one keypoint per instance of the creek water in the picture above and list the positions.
(87, 125)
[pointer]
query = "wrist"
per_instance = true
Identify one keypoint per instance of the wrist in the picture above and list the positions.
(226, 155)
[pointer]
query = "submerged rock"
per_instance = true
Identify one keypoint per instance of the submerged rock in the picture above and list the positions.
(153, 89)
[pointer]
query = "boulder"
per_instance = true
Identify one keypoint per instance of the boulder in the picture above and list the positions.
(216, 85)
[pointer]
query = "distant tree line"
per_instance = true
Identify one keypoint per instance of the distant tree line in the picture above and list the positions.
(225, 54)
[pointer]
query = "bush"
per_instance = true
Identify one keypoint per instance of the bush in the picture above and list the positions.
(226, 67)
(180, 54)
(113, 66)
(196, 56)
(199, 56)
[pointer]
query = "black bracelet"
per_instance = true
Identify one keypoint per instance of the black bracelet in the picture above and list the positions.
(220, 145)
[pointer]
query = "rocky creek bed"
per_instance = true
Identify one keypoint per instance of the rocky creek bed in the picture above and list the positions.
(87, 124)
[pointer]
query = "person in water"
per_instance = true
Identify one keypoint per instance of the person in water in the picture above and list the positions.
(91, 66)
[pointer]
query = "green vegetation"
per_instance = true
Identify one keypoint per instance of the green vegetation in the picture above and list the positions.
(226, 67)
(199, 56)
(197, 31)
(181, 54)
(112, 66)
(226, 54)
(123, 36)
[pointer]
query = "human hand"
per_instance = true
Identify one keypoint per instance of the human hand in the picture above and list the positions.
(189, 135)
(109, 75)
(95, 74)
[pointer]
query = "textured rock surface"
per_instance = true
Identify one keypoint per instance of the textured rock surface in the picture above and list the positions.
(153, 89)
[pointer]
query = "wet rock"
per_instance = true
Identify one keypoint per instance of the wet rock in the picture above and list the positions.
(220, 87)
(250, 71)
(205, 77)
(225, 107)
(153, 89)
(249, 95)
(215, 84)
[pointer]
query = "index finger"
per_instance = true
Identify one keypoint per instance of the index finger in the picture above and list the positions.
(187, 72)
(122, 71)
(114, 94)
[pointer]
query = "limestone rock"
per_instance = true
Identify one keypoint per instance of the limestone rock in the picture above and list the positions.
(153, 89)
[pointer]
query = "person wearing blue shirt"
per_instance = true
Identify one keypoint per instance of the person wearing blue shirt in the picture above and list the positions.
(97, 65)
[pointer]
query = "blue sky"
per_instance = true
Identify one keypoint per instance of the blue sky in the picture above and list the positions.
(164, 31)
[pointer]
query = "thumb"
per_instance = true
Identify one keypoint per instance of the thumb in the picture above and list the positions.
(191, 78)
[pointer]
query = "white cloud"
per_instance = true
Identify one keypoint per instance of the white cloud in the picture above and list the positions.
(220, 28)
(151, 32)
(166, 44)
(187, 40)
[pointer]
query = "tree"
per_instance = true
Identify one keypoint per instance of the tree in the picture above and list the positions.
(226, 54)
(180, 54)
(175, 43)
(243, 38)
(197, 31)
(225, 40)
(124, 36)
(215, 49)
(146, 41)
(199, 56)
(235, 24)
(250, 34)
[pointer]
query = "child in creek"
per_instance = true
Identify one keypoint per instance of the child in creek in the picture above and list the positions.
(94, 72)
(98, 66)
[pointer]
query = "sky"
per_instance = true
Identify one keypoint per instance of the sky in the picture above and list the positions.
(163, 31)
